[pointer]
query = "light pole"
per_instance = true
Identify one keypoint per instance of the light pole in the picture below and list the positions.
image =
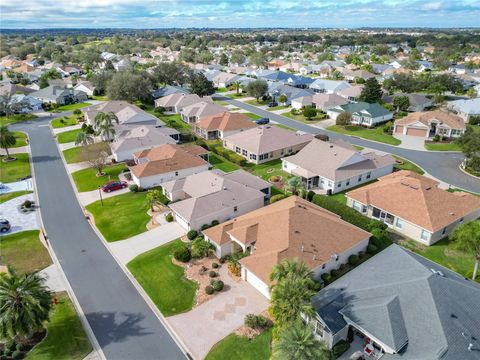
(100, 193)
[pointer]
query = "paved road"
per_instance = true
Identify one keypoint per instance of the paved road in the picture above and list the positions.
(441, 165)
(124, 325)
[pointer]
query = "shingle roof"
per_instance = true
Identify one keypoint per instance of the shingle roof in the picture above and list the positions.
(133, 138)
(362, 109)
(427, 117)
(126, 113)
(226, 121)
(202, 108)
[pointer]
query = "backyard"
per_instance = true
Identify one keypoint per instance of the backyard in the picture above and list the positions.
(15, 170)
(68, 136)
(66, 339)
(268, 169)
(221, 163)
(375, 134)
(87, 179)
(128, 209)
(164, 281)
(24, 251)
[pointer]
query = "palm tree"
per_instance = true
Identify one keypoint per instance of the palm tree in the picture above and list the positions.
(237, 86)
(104, 123)
(298, 342)
(25, 304)
(83, 139)
(295, 184)
(467, 238)
(290, 268)
(7, 140)
(153, 197)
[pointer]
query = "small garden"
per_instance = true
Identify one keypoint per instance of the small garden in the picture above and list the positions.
(403, 164)
(16, 168)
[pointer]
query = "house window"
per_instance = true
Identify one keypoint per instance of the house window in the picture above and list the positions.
(461, 220)
(444, 231)
(271, 154)
(369, 175)
(244, 152)
(263, 157)
(282, 151)
(176, 173)
(339, 184)
(400, 223)
(322, 181)
(323, 266)
(253, 157)
(356, 205)
(359, 178)
(237, 150)
(376, 213)
(235, 208)
(348, 182)
(330, 184)
(424, 235)
(290, 150)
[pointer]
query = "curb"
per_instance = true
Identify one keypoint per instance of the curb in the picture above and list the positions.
(183, 347)
(467, 173)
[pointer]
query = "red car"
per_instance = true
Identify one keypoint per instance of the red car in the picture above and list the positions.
(114, 185)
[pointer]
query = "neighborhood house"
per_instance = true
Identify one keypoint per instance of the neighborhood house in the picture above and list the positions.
(430, 123)
(363, 113)
(222, 124)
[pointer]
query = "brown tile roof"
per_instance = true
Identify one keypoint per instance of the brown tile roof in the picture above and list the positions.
(226, 121)
(290, 228)
(416, 199)
(167, 158)
(450, 120)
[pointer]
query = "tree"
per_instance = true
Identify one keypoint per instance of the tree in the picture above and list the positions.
(237, 84)
(309, 112)
(7, 140)
(291, 268)
(83, 139)
(100, 80)
(154, 197)
(237, 57)
(282, 98)
(467, 238)
(96, 155)
(298, 342)
(402, 103)
(294, 185)
(104, 125)
(130, 86)
(200, 85)
(257, 88)
(472, 93)
(344, 118)
(48, 75)
(223, 59)
(25, 304)
(257, 58)
(372, 91)
(170, 73)
(9, 105)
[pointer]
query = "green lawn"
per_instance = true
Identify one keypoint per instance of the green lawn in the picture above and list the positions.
(71, 107)
(303, 119)
(236, 96)
(12, 195)
(221, 102)
(407, 165)
(87, 180)
(24, 251)
(100, 97)
(68, 136)
(14, 170)
(4, 120)
(284, 127)
(21, 138)
(252, 115)
(256, 103)
(241, 348)
(376, 134)
(65, 121)
(73, 155)
(66, 339)
(221, 90)
(445, 254)
(267, 169)
(279, 107)
(173, 120)
(164, 281)
(129, 211)
(221, 163)
(452, 146)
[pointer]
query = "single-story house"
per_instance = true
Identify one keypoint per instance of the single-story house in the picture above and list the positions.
(465, 108)
(202, 198)
(352, 93)
(430, 123)
(68, 70)
(132, 139)
(363, 113)
(224, 79)
(292, 228)
(59, 95)
(85, 86)
(399, 305)
(336, 166)
(194, 112)
(266, 143)
(321, 102)
(174, 102)
(351, 75)
(222, 124)
(168, 90)
(418, 102)
(328, 86)
(275, 90)
(127, 114)
(160, 164)
(25, 103)
(414, 206)
(9, 89)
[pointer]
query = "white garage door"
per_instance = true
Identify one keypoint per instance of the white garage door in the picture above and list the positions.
(181, 222)
(257, 283)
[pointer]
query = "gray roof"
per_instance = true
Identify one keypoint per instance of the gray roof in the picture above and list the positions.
(397, 298)
(470, 106)
(329, 85)
(54, 92)
(167, 90)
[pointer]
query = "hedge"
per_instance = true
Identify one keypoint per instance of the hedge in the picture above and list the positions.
(340, 348)
(348, 214)
(218, 149)
(276, 198)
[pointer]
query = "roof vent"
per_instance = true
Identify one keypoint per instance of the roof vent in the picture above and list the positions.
(453, 316)
(331, 146)
(297, 232)
(334, 256)
(470, 347)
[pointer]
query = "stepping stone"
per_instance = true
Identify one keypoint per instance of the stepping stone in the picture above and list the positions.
(240, 301)
(230, 308)
(219, 315)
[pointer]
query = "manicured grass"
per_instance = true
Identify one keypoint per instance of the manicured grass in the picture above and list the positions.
(279, 107)
(241, 348)
(268, 169)
(21, 139)
(221, 102)
(67, 121)
(303, 119)
(24, 251)
(252, 115)
(452, 146)
(70, 107)
(12, 195)
(73, 155)
(221, 163)
(121, 216)
(87, 180)
(173, 121)
(100, 97)
(68, 136)
(407, 165)
(4, 120)
(236, 96)
(376, 134)
(66, 339)
(164, 281)
(445, 254)
(256, 103)
(284, 127)
(340, 197)
(14, 170)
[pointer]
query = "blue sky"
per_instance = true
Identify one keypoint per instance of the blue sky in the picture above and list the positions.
(237, 13)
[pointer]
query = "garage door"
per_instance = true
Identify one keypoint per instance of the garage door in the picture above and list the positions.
(417, 132)
(258, 284)
(399, 129)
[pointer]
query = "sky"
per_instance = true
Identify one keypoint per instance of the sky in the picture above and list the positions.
(37, 14)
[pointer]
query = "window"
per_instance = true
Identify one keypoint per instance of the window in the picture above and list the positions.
(424, 235)
(237, 150)
(399, 224)
(330, 184)
(271, 154)
(323, 266)
(244, 152)
(348, 182)
(263, 157)
(359, 178)
(376, 213)
(444, 231)
(290, 150)
(253, 157)
(235, 208)
(176, 173)
(461, 220)
(369, 174)
(282, 152)
(339, 184)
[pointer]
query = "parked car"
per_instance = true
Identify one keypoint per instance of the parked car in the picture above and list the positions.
(4, 225)
(114, 185)
(272, 104)
(263, 121)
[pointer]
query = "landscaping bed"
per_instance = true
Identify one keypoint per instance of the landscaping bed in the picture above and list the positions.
(375, 134)
(87, 179)
(68, 136)
(15, 170)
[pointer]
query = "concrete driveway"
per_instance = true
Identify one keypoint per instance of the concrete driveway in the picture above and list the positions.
(411, 142)
(19, 221)
(210, 322)
(127, 250)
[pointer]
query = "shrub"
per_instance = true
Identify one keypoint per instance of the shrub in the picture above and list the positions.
(3, 357)
(310, 195)
(22, 347)
(234, 268)
(218, 285)
(436, 138)
(212, 274)
(182, 254)
(343, 118)
(334, 273)
(371, 249)
(276, 198)
(361, 254)
(256, 321)
(340, 348)
(77, 112)
(353, 260)
(192, 234)
(205, 227)
(17, 355)
(200, 248)
(169, 217)
(133, 188)
(214, 223)
(326, 278)
(222, 260)
(27, 204)
(215, 265)
(10, 345)
(309, 113)
(209, 290)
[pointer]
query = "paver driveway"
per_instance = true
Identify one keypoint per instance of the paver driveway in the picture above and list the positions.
(210, 322)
